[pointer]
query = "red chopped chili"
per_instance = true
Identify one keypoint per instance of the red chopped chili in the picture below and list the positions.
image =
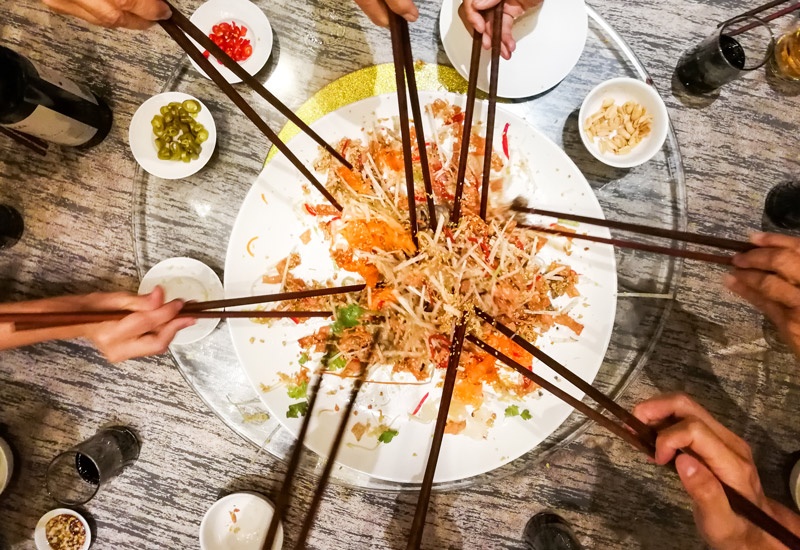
(230, 37)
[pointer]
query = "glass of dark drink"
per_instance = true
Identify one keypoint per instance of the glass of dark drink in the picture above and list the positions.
(782, 205)
(74, 476)
(738, 46)
(11, 226)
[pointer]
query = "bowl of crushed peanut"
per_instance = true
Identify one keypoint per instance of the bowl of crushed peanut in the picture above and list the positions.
(623, 122)
(62, 529)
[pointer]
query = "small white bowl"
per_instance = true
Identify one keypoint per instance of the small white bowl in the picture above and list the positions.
(242, 12)
(794, 484)
(622, 90)
(40, 534)
(6, 464)
(143, 140)
(253, 513)
(187, 279)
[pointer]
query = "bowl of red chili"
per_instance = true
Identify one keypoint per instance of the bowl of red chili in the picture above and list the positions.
(241, 29)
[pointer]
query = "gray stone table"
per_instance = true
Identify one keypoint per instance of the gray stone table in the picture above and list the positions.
(78, 208)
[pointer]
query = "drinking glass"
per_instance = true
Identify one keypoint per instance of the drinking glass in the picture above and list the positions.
(11, 226)
(782, 205)
(739, 45)
(74, 476)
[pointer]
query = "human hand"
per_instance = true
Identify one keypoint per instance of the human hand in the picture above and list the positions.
(478, 15)
(769, 278)
(727, 457)
(130, 14)
(148, 331)
(378, 10)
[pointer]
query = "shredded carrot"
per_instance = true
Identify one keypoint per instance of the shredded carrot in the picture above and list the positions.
(263, 198)
(249, 245)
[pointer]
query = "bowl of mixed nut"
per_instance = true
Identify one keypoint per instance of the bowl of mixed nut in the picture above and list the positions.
(62, 529)
(623, 122)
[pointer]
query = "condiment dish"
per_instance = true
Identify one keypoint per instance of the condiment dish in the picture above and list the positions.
(241, 12)
(6, 464)
(143, 141)
(238, 521)
(622, 90)
(40, 533)
(187, 279)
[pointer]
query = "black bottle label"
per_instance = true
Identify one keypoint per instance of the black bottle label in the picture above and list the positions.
(54, 126)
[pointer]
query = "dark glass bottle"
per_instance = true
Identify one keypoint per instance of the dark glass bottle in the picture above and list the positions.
(782, 205)
(11, 226)
(45, 104)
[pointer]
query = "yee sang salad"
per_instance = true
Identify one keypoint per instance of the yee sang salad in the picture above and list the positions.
(414, 299)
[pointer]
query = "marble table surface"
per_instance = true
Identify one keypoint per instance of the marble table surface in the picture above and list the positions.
(77, 207)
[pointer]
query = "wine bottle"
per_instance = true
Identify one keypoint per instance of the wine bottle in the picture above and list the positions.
(43, 103)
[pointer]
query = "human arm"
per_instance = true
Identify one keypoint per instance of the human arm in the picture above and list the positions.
(147, 331)
(686, 425)
(130, 14)
(769, 278)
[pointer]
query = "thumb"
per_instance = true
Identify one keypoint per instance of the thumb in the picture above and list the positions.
(712, 512)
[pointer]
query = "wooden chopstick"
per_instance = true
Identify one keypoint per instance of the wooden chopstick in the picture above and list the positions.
(398, 54)
(416, 112)
(35, 144)
(322, 483)
(282, 500)
(643, 440)
(492, 108)
(469, 110)
(780, 13)
(171, 26)
(643, 429)
(667, 251)
(32, 321)
(185, 24)
(266, 298)
(418, 525)
(673, 234)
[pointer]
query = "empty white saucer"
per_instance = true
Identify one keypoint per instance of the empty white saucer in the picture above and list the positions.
(239, 521)
(186, 279)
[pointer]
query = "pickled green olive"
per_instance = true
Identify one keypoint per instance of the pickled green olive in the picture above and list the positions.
(178, 134)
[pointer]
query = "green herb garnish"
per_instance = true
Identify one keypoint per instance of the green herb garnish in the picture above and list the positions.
(387, 436)
(346, 317)
(298, 391)
(296, 410)
(512, 410)
(304, 357)
(526, 415)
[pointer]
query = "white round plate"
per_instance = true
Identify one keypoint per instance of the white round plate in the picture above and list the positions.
(794, 484)
(6, 464)
(550, 40)
(622, 90)
(252, 513)
(268, 227)
(187, 279)
(242, 12)
(40, 534)
(143, 140)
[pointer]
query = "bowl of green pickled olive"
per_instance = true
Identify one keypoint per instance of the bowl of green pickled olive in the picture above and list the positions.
(172, 135)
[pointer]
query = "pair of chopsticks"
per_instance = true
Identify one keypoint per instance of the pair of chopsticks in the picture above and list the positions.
(177, 25)
(769, 5)
(680, 236)
(472, 88)
(195, 310)
(404, 76)
(33, 143)
(631, 429)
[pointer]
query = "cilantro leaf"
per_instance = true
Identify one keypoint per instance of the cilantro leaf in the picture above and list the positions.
(387, 436)
(297, 391)
(304, 357)
(526, 415)
(296, 410)
(348, 316)
(512, 410)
